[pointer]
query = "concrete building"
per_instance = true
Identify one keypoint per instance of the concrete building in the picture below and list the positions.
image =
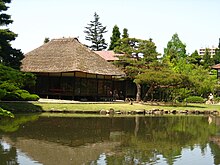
(211, 50)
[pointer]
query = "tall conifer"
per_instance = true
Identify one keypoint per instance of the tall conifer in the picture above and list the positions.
(8, 55)
(94, 32)
(115, 37)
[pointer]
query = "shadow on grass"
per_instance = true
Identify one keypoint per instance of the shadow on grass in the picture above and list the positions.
(20, 107)
(187, 106)
(178, 105)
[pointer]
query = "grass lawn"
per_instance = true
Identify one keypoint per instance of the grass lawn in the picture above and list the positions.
(37, 106)
(124, 107)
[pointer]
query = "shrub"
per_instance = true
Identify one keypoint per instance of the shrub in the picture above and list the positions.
(20, 95)
(20, 91)
(217, 99)
(9, 87)
(32, 97)
(11, 96)
(194, 99)
(2, 93)
(26, 96)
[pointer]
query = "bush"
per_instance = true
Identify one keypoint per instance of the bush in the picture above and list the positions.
(2, 93)
(9, 87)
(217, 99)
(32, 97)
(20, 95)
(11, 96)
(194, 99)
(20, 91)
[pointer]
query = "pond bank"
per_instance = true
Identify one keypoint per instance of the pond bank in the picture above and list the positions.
(119, 107)
(140, 112)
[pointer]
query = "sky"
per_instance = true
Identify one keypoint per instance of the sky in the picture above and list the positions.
(195, 21)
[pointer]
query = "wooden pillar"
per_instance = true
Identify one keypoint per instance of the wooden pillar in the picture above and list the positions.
(73, 85)
(97, 87)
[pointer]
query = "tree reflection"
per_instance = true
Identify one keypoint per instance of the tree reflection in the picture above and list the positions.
(162, 136)
(12, 124)
(139, 140)
(8, 155)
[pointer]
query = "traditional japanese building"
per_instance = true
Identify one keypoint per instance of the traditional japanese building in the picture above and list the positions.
(217, 67)
(65, 68)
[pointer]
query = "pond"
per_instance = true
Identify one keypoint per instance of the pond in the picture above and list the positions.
(80, 139)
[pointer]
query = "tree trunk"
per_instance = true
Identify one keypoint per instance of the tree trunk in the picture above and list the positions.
(150, 90)
(138, 95)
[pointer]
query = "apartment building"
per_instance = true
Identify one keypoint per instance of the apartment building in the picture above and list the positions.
(210, 49)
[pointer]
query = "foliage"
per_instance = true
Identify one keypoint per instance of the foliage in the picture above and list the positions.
(11, 83)
(125, 33)
(195, 58)
(216, 57)
(2, 93)
(5, 113)
(175, 50)
(139, 55)
(194, 99)
(94, 32)
(201, 82)
(11, 96)
(8, 55)
(162, 78)
(9, 87)
(11, 79)
(20, 95)
(46, 40)
(207, 59)
(30, 97)
(116, 35)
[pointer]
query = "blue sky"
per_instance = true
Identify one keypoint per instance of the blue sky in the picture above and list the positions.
(195, 21)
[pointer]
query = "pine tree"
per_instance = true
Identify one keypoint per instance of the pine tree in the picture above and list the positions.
(139, 56)
(95, 32)
(125, 33)
(8, 55)
(115, 37)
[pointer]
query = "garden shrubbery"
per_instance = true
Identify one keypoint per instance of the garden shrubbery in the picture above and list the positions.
(12, 83)
(20, 95)
(194, 99)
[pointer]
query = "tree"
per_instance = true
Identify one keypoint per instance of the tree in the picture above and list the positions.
(139, 55)
(8, 55)
(116, 35)
(95, 32)
(207, 59)
(46, 40)
(201, 82)
(175, 49)
(194, 58)
(125, 33)
(216, 57)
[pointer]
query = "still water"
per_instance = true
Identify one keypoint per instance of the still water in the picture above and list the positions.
(75, 140)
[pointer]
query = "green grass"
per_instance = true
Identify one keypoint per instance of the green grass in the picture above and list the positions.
(37, 106)
(123, 107)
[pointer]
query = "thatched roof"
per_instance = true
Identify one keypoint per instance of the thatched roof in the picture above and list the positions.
(67, 55)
